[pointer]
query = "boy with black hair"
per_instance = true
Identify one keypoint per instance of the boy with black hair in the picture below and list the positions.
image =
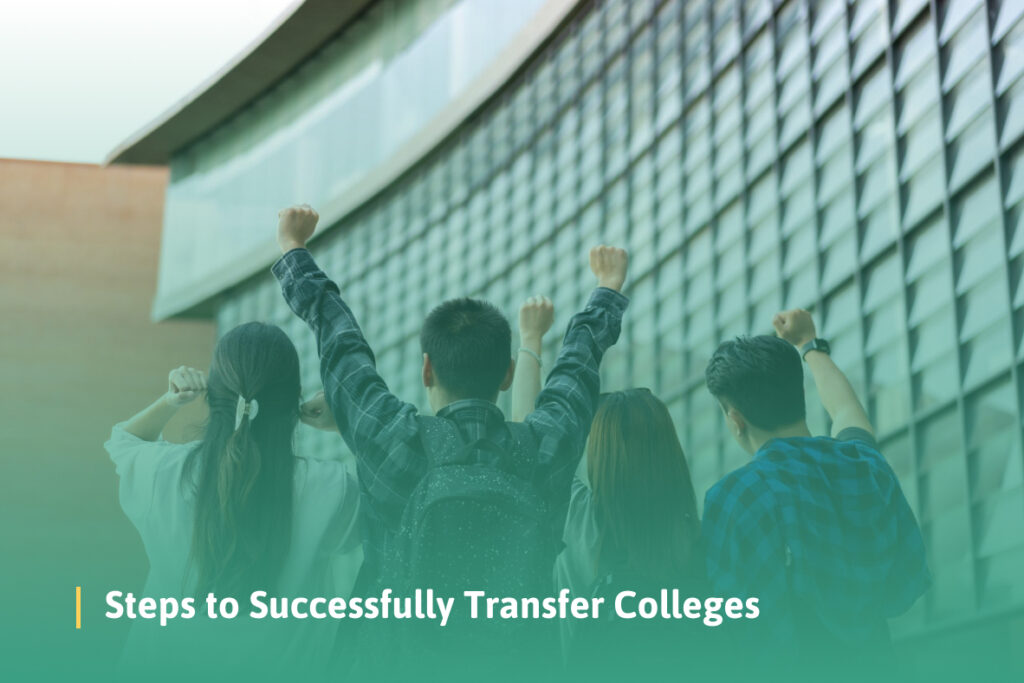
(817, 527)
(464, 499)
(467, 352)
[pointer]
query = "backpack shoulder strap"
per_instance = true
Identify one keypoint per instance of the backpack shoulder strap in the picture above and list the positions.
(445, 445)
(521, 433)
(442, 442)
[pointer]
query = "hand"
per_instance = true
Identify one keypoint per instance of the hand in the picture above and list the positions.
(795, 326)
(535, 317)
(609, 265)
(184, 385)
(295, 225)
(315, 413)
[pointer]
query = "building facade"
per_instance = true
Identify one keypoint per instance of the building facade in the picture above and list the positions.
(79, 248)
(863, 160)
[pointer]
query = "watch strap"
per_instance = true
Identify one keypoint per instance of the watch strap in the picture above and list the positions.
(817, 344)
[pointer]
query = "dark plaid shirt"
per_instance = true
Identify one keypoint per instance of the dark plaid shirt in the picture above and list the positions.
(384, 432)
(819, 527)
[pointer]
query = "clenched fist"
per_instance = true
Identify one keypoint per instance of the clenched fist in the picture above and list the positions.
(535, 317)
(609, 265)
(795, 326)
(184, 385)
(315, 413)
(295, 225)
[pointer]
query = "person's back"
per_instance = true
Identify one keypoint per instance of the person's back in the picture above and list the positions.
(233, 512)
(467, 361)
(633, 525)
(816, 527)
(483, 479)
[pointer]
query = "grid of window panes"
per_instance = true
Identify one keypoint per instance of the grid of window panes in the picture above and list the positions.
(863, 160)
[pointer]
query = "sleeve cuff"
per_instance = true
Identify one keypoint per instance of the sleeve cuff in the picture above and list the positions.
(857, 434)
(609, 299)
(119, 434)
(294, 262)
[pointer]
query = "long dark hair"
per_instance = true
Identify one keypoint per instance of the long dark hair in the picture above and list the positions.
(645, 507)
(243, 478)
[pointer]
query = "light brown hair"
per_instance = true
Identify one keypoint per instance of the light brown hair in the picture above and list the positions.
(643, 497)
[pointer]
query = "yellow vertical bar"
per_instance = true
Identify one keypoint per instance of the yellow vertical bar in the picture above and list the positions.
(78, 607)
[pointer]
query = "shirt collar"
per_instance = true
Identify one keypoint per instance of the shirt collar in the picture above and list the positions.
(774, 443)
(488, 410)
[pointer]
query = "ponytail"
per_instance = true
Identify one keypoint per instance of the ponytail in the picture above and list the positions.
(242, 472)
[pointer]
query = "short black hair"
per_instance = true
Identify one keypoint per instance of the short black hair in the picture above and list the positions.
(469, 342)
(761, 377)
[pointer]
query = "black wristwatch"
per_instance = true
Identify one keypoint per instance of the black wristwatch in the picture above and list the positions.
(815, 345)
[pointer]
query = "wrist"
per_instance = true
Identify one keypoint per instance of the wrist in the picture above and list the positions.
(290, 245)
(534, 354)
(532, 341)
(168, 401)
(610, 283)
(816, 344)
(801, 341)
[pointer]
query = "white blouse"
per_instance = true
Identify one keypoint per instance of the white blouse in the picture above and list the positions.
(323, 558)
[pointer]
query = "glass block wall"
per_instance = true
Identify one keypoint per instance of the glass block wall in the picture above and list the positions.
(861, 160)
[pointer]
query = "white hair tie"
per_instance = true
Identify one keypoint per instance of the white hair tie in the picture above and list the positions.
(250, 408)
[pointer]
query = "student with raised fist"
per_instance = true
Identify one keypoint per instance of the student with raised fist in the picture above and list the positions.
(463, 498)
(536, 316)
(631, 524)
(817, 527)
(235, 511)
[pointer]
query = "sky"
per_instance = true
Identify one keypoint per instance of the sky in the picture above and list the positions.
(78, 77)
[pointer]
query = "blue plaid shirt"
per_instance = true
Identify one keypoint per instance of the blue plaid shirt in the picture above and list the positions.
(819, 526)
(384, 432)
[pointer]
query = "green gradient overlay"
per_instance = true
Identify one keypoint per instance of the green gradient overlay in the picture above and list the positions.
(863, 161)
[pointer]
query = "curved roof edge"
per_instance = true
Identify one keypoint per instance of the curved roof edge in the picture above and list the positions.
(302, 29)
(200, 302)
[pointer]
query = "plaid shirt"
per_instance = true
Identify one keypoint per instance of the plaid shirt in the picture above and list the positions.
(385, 432)
(820, 525)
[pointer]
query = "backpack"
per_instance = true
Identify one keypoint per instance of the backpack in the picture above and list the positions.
(473, 522)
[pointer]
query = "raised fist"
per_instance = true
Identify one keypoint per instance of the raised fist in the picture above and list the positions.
(609, 265)
(295, 225)
(315, 413)
(535, 317)
(795, 326)
(185, 385)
